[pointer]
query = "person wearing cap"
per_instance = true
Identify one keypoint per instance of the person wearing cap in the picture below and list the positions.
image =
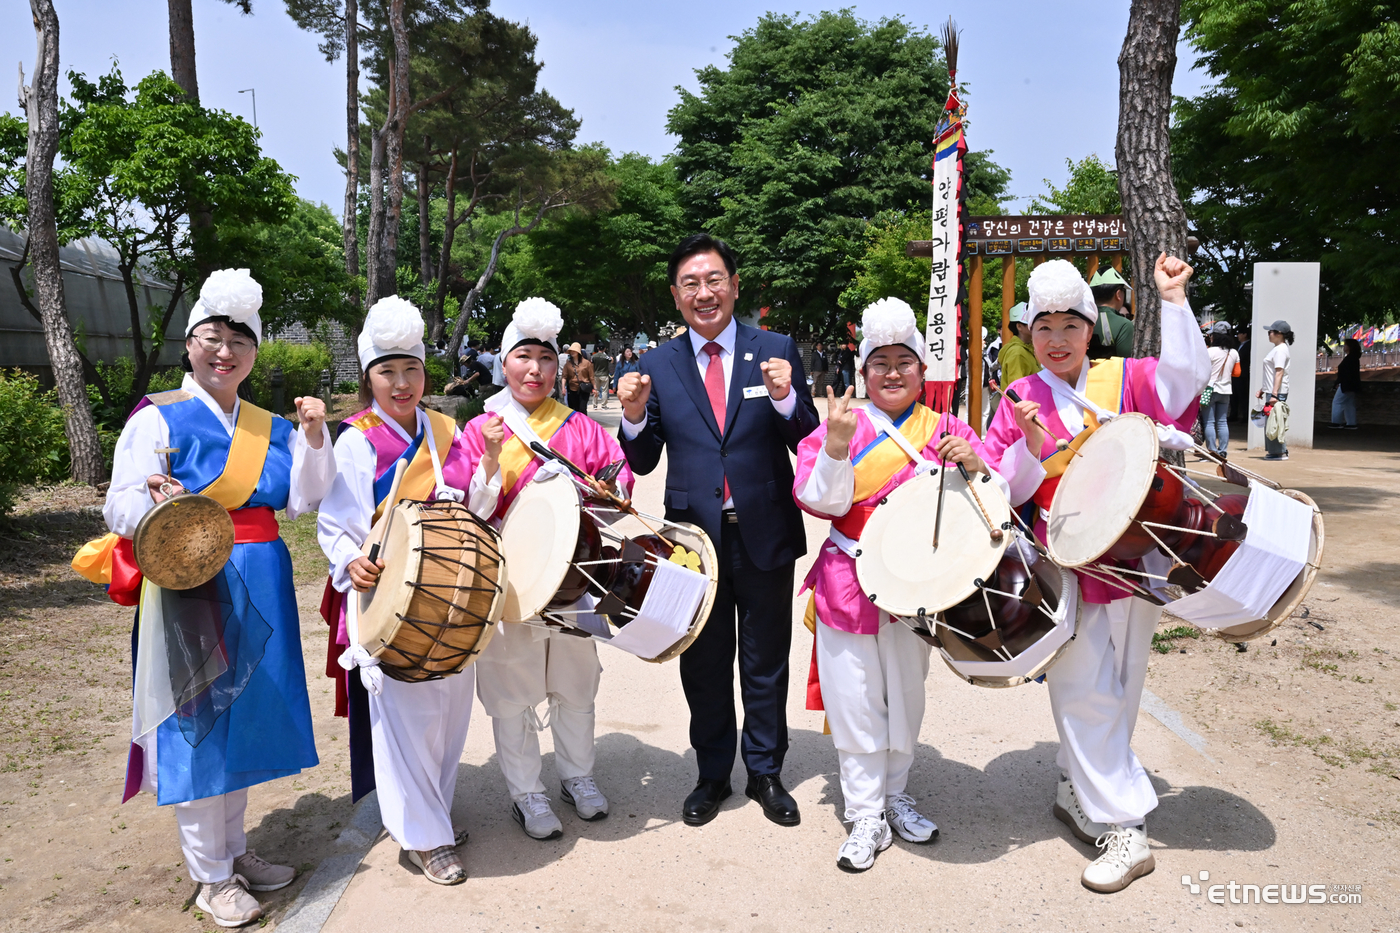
(1113, 333)
(200, 753)
(1224, 361)
(1017, 359)
(528, 664)
(1273, 390)
(406, 739)
(868, 669)
(1095, 687)
(578, 378)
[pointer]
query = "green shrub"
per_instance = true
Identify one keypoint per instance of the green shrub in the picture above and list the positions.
(33, 447)
(301, 370)
(118, 375)
(441, 373)
(469, 409)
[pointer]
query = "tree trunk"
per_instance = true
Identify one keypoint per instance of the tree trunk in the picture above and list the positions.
(395, 122)
(182, 67)
(449, 233)
(464, 314)
(375, 234)
(425, 233)
(1152, 208)
(350, 229)
(41, 107)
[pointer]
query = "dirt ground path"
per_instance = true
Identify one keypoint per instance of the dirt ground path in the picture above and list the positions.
(1294, 781)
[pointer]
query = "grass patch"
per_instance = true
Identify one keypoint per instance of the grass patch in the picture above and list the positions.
(1338, 754)
(309, 564)
(1164, 642)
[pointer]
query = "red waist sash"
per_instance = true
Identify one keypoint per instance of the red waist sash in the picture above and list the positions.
(853, 522)
(254, 525)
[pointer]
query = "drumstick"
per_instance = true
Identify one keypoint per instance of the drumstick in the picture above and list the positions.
(1060, 442)
(624, 505)
(389, 504)
(938, 514)
(996, 532)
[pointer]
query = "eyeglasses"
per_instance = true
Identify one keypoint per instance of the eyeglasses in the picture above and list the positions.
(713, 282)
(238, 346)
(883, 368)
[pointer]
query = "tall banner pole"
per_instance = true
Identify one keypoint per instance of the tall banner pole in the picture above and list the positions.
(943, 331)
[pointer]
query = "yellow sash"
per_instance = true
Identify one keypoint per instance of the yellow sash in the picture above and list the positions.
(887, 458)
(419, 479)
(516, 456)
(1103, 387)
(247, 453)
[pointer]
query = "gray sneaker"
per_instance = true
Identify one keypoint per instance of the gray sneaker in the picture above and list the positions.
(228, 903)
(587, 800)
(533, 813)
(262, 875)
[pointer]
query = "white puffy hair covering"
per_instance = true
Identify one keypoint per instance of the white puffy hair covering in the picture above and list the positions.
(887, 322)
(230, 293)
(534, 319)
(1057, 286)
(393, 327)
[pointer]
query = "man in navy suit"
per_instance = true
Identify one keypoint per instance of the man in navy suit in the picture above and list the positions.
(720, 399)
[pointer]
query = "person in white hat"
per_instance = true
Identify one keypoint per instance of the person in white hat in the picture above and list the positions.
(1113, 331)
(1095, 687)
(527, 664)
(251, 724)
(869, 669)
(406, 739)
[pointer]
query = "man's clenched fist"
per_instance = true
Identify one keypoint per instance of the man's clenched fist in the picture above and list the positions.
(633, 390)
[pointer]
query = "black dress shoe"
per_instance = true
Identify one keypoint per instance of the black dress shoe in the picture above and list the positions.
(777, 803)
(703, 802)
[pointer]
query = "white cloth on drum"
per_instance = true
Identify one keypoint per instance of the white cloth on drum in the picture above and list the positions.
(514, 674)
(418, 732)
(873, 691)
(1095, 691)
(666, 613)
(211, 834)
(1274, 551)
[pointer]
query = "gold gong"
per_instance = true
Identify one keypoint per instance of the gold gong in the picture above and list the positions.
(183, 542)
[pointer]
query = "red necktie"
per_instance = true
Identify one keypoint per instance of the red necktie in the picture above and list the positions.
(714, 388)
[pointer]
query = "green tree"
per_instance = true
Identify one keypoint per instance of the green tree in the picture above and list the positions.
(139, 158)
(816, 127)
(1291, 155)
(1092, 188)
(608, 268)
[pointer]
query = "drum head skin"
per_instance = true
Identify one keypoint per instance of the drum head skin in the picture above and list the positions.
(1100, 492)
(896, 563)
(694, 539)
(184, 542)
(381, 607)
(1293, 596)
(538, 537)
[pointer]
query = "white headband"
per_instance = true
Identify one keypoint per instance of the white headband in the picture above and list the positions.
(393, 327)
(230, 293)
(889, 322)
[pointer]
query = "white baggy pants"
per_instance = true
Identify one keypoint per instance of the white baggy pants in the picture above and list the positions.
(521, 667)
(418, 731)
(211, 834)
(873, 691)
(1095, 690)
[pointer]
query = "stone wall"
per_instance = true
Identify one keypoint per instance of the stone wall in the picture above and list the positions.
(1378, 403)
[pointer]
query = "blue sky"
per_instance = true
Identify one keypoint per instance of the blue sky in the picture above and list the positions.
(1043, 76)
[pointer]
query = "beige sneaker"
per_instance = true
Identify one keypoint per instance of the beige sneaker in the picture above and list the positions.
(262, 875)
(228, 903)
(441, 866)
(1126, 856)
(1068, 811)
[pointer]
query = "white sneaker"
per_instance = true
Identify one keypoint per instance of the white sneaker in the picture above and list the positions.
(533, 813)
(228, 903)
(1126, 856)
(869, 836)
(588, 801)
(1068, 811)
(910, 824)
